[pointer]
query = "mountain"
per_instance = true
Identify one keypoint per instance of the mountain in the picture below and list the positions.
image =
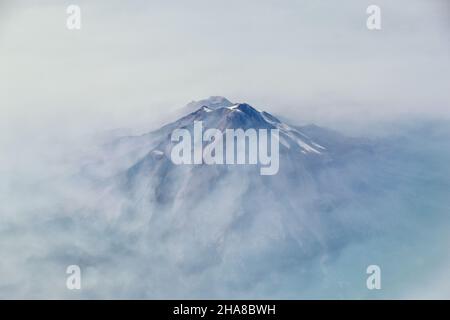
(213, 102)
(140, 226)
(206, 212)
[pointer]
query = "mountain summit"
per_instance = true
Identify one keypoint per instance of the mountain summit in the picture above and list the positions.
(302, 149)
(212, 102)
(220, 113)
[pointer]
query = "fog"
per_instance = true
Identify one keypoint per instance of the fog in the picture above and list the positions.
(132, 67)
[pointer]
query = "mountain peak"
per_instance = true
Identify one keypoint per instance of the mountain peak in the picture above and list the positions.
(245, 108)
(220, 113)
(213, 102)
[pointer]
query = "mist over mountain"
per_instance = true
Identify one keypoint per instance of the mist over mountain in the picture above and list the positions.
(92, 92)
(209, 217)
(140, 226)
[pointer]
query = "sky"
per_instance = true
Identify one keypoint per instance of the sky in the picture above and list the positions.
(133, 63)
